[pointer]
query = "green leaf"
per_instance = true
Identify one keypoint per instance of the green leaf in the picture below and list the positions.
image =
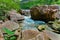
(8, 31)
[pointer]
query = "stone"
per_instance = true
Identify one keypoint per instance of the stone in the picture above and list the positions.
(25, 12)
(14, 16)
(34, 35)
(29, 34)
(44, 13)
(1, 36)
(10, 25)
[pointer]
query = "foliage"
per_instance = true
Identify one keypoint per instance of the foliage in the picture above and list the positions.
(9, 4)
(6, 5)
(28, 4)
(2, 15)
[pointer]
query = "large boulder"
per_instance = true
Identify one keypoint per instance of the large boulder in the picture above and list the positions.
(44, 13)
(34, 35)
(10, 25)
(14, 16)
(29, 34)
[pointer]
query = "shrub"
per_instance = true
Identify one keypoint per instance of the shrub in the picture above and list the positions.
(6, 5)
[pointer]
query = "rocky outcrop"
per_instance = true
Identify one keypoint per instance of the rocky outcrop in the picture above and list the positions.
(10, 25)
(34, 35)
(14, 16)
(44, 13)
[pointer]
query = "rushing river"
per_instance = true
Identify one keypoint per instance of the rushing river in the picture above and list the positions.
(28, 23)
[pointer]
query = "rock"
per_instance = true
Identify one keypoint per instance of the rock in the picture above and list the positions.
(18, 33)
(52, 35)
(14, 16)
(1, 36)
(58, 15)
(41, 27)
(44, 13)
(0, 26)
(25, 12)
(10, 25)
(55, 26)
(29, 34)
(1, 21)
(21, 12)
(34, 35)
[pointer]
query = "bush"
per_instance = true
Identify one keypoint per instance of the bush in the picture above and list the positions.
(6, 5)
(9, 4)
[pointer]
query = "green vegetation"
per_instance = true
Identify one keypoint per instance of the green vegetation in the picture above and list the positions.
(30, 3)
(6, 5)
(9, 4)
(9, 34)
